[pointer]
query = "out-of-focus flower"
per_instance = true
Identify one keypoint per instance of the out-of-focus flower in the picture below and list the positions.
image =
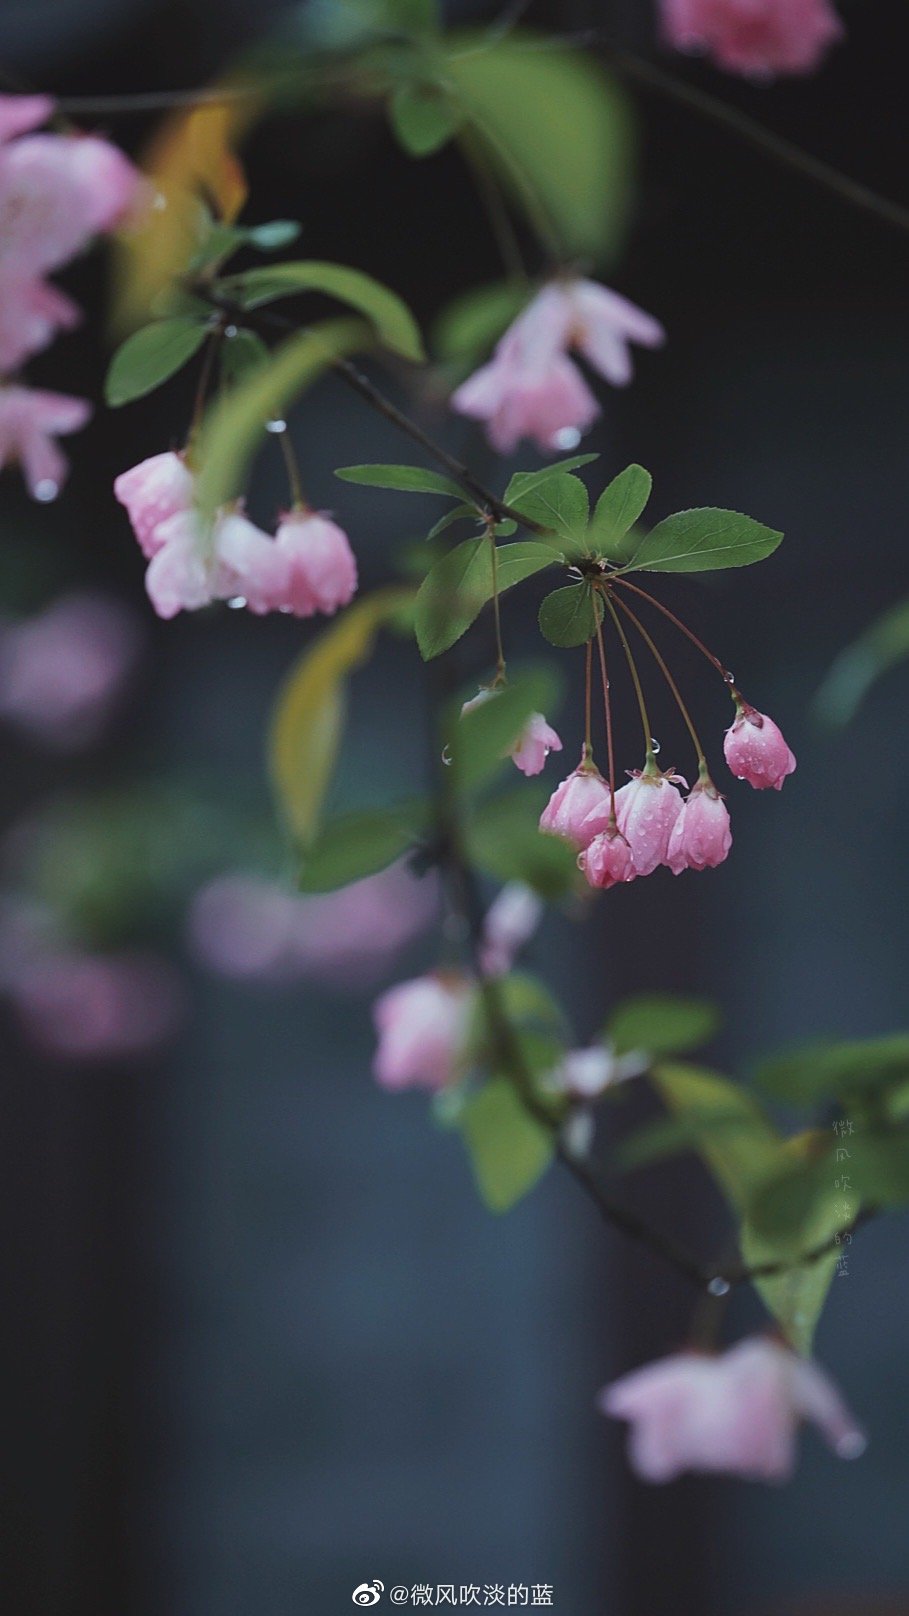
(737, 1412)
(573, 803)
(608, 860)
(531, 388)
(757, 38)
(29, 423)
(63, 671)
(56, 193)
(536, 742)
(153, 492)
(31, 315)
(586, 1073)
(322, 567)
(701, 837)
(646, 811)
(422, 1026)
(511, 920)
(249, 566)
(20, 113)
(756, 751)
(255, 930)
(232, 560)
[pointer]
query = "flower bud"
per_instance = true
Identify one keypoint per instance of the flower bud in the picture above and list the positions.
(422, 1025)
(700, 837)
(756, 751)
(608, 860)
(646, 812)
(572, 803)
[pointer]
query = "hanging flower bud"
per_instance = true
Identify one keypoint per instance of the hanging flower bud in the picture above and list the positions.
(756, 751)
(422, 1025)
(323, 571)
(572, 803)
(608, 860)
(511, 920)
(701, 837)
(29, 423)
(646, 812)
(153, 491)
(534, 745)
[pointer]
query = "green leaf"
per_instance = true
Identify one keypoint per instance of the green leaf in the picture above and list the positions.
(571, 616)
(856, 669)
(360, 844)
(150, 356)
(241, 354)
(469, 326)
(618, 508)
(661, 1024)
(423, 118)
(503, 839)
(234, 424)
(702, 541)
(308, 717)
(456, 589)
(526, 482)
(509, 1150)
(479, 740)
(560, 503)
(460, 513)
(673, 1135)
(391, 318)
(557, 131)
(816, 1072)
(411, 479)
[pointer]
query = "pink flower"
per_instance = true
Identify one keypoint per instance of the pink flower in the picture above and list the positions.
(152, 492)
(646, 811)
(31, 314)
(56, 193)
(322, 568)
(737, 1412)
(63, 671)
(536, 742)
(758, 38)
(531, 389)
(250, 566)
(608, 860)
(510, 922)
(586, 1073)
(29, 422)
(179, 576)
(233, 560)
(700, 837)
(422, 1025)
(573, 803)
(19, 113)
(756, 751)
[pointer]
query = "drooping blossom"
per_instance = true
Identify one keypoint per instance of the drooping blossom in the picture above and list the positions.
(32, 312)
(152, 492)
(56, 193)
(63, 671)
(20, 113)
(422, 1026)
(574, 802)
(608, 860)
(531, 388)
(322, 567)
(737, 1412)
(756, 751)
(536, 741)
(646, 811)
(29, 423)
(701, 837)
(232, 559)
(757, 38)
(586, 1073)
(510, 922)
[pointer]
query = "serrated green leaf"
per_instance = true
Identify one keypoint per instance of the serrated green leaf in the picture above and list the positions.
(409, 479)
(461, 513)
(571, 616)
(882, 646)
(527, 482)
(360, 844)
(456, 589)
(618, 508)
(153, 354)
(509, 1150)
(703, 541)
(423, 118)
(479, 740)
(561, 504)
(661, 1024)
(390, 317)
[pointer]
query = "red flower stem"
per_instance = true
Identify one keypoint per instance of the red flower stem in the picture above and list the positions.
(658, 658)
(649, 756)
(607, 703)
(727, 676)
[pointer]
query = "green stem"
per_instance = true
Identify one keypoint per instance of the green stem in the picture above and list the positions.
(650, 763)
(714, 660)
(658, 658)
(496, 212)
(607, 702)
(293, 471)
(497, 614)
(588, 693)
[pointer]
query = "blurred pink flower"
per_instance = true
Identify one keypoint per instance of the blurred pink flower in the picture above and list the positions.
(586, 1073)
(511, 920)
(20, 113)
(422, 1026)
(153, 491)
(56, 193)
(29, 422)
(531, 389)
(756, 751)
(232, 560)
(701, 837)
(737, 1412)
(758, 38)
(256, 930)
(573, 803)
(31, 314)
(537, 740)
(322, 568)
(249, 566)
(63, 671)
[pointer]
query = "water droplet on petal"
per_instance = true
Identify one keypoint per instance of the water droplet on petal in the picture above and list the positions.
(719, 1286)
(276, 425)
(46, 490)
(446, 756)
(237, 602)
(568, 438)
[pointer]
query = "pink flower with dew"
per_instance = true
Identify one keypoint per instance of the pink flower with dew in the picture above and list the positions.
(180, 574)
(249, 565)
(701, 837)
(757, 38)
(531, 388)
(511, 920)
(756, 751)
(74, 1005)
(586, 1073)
(422, 1027)
(536, 742)
(232, 559)
(737, 1412)
(21, 113)
(56, 193)
(322, 567)
(608, 860)
(152, 492)
(646, 811)
(63, 671)
(31, 314)
(573, 803)
(29, 423)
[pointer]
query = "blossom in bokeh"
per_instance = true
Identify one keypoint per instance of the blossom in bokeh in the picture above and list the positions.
(737, 1412)
(230, 560)
(701, 837)
(510, 922)
(573, 803)
(29, 422)
(63, 671)
(321, 565)
(586, 1073)
(536, 741)
(756, 750)
(757, 38)
(152, 492)
(531, 388)
(422, 1026)
(31, 315)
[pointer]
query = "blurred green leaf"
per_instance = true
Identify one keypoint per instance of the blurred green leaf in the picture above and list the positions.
(479, 740)
(360, 844)
(151, 355)
(509, 1150)
(884, 644)
(618, 508)
(661, 1024)
(503, 839)
(457, 588)
(820, 1071)
(472, 322)
(240, 354)
(571, 616)
(702, 541)
(389, 315)
(410, 479)
(423, 118)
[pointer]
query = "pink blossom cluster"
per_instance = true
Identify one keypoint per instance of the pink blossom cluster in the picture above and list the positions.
(307, 567)
(532, 388)
(63, 672)
(757, 38)
(57, 192)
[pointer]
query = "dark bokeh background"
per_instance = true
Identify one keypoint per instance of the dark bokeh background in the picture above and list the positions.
(264, 1343)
